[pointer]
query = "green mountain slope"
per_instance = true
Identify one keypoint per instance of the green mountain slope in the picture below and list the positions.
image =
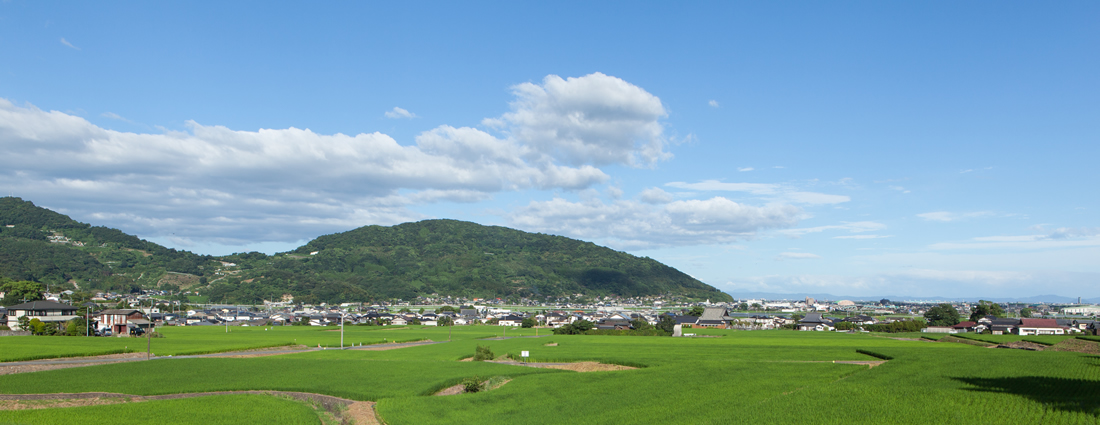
(44, 246)
(449, 257)
(372, 263)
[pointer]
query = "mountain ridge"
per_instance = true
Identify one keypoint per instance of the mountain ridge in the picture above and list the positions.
(370, 263)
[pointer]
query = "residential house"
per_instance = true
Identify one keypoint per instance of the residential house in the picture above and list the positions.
(815, 322)
(964, 327)
(118, 320)
(44, 311)
(510, 320)
(615, 322)
(686, 321)
(1003, 326)
(1039, 327)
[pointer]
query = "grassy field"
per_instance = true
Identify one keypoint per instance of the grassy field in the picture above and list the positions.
(763, 377)
(213, 339)
(212, 410)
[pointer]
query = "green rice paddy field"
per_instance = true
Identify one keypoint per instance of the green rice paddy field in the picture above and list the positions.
(759, 377)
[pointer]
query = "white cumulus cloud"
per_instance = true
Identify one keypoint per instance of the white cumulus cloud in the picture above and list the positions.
(655, 195)
(595, 119)
(236, 186)
(628, 224)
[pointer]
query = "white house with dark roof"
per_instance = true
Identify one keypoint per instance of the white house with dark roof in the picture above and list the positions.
(44, 311)
(815, 322)
(1040, 327)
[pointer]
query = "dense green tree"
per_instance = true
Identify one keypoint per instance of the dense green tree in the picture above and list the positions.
(528, 322)
(666, 323)
(76, 327)
(575, 328)
(696, 311)
(942, 315)
(18, 292)
(641, 325)
(898, 326)
(1026, 312)
(986, 308)
(845, 326)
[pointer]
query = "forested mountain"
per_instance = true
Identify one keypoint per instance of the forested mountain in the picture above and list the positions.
(40, 245)
(371, 263)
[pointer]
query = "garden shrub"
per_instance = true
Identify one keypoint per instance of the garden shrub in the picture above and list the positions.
(483, 353)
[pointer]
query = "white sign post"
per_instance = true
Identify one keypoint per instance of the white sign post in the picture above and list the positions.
(525, 355)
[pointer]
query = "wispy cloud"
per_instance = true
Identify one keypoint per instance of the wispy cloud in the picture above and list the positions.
(743, 169)
(713, 103)
(945, 216)
(796, 256)
(67, 43)
(398, 113)
(115, 116)
(971, 170)
(715, 185)
(1059, 238)
(863, 237)
(899, 189)
(772, 191)
(854, 227)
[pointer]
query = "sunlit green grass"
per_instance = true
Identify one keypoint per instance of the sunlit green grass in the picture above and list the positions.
(210, 410)
(183, 340)
(760, 377)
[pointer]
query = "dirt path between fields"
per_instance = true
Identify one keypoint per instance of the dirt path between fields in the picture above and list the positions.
(66, 362)
(348, 411)
(576, 366)
(8, 368)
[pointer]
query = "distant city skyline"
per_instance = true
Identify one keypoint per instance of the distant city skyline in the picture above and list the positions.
(928, 150)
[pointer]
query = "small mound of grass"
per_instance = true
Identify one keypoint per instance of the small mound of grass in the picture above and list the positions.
(1077, 345)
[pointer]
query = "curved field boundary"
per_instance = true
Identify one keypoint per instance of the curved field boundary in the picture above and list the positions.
(573, 366)
(869, 363)
(348, 411)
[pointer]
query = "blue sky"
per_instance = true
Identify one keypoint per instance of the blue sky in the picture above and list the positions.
(857, 148)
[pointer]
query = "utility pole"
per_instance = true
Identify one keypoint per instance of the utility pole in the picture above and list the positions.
(341, 329)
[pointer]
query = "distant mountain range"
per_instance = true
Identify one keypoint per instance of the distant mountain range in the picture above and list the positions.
(371, 263)
(1049, 299)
